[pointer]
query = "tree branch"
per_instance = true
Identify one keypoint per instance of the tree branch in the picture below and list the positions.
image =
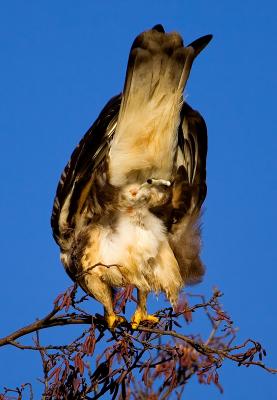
(144, 350)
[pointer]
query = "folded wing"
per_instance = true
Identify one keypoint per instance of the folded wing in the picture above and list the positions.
(188, 194)
(84, 175)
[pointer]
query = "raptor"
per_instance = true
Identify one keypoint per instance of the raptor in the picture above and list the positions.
(128, 203)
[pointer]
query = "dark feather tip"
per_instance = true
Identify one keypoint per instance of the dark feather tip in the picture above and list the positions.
(199, 44)
(158, 28)
(202, 41)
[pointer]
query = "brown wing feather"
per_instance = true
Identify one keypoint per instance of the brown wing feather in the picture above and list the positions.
(77, 177)
(188, 193)
(191, 172)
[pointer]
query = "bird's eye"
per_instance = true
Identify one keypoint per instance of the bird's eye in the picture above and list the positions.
(149, 181)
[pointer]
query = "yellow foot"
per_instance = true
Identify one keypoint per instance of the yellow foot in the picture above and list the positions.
(114, 320)
(139, 317)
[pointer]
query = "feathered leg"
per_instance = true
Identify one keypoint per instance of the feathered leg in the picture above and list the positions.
(141, 314)
(102, 292)
(167, 273)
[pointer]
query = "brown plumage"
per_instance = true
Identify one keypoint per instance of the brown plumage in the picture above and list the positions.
(128, 203)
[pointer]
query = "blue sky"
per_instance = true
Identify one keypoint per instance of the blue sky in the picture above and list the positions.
(60, 62)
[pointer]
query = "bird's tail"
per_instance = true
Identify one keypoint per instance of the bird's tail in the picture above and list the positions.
(158, 68)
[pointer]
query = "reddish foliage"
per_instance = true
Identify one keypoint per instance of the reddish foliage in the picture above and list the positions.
(153, 362)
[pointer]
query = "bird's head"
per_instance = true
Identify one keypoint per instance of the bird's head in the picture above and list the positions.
(149, 194)
(134, 195)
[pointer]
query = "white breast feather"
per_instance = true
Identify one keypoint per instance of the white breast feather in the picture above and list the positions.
(144, 238)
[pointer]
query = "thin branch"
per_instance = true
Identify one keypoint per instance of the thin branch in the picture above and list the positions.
(51, 321)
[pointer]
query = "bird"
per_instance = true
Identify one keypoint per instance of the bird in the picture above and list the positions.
(128, 205)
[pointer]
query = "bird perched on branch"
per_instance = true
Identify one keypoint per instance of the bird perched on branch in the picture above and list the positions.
(128, 203)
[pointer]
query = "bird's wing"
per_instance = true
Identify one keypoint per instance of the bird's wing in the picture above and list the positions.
(189, 191)
(191, 158)
(189, 188)
(79, 174)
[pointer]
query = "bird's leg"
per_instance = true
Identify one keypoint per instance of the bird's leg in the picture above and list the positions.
(141, 314)
(103, 293)
(111, 318)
